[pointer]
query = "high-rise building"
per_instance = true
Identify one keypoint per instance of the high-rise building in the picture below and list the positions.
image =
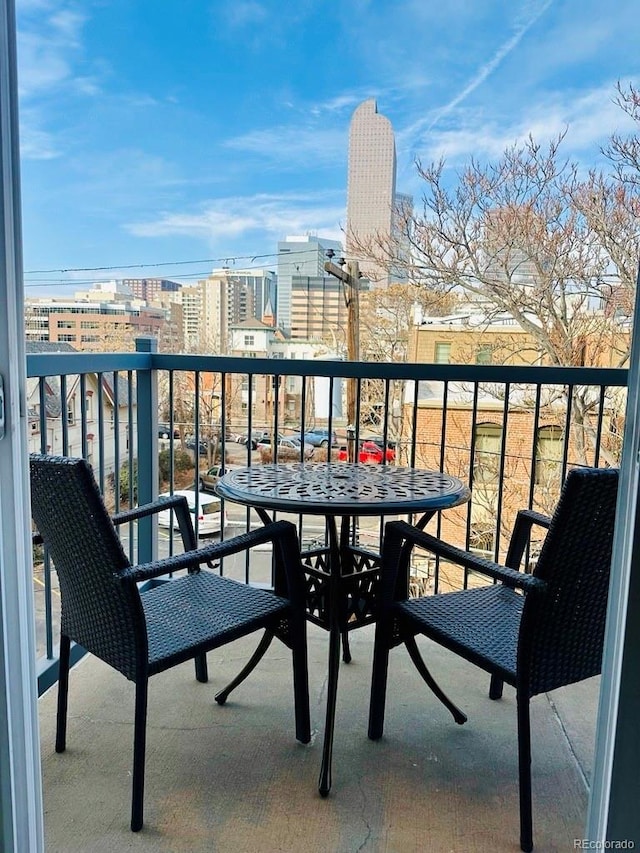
(204, 309)
(401, 222)
(299, 256)
(248, 292)
(318, 310)
(371, 185)
(153, 289)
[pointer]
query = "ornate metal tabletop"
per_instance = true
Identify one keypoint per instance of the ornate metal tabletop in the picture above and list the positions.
(342, 488)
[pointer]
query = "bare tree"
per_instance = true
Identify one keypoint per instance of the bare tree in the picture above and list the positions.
(624, 151)
(529, 237)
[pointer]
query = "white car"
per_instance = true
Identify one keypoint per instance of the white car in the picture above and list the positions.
(209, 518)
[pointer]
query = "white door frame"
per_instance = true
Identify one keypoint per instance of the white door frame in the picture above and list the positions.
(21, 823)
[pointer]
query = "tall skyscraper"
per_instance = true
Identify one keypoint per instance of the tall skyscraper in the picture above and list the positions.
(371, 184)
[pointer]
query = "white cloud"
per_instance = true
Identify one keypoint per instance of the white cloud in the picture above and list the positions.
(47, 48)
(291, 146)
(235, 217)
(37, 144)
(243, 13)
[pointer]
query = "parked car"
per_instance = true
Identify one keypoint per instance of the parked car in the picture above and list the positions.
(164, 431)
(209, 516)
(190, 443)
(319, 437)
(288, 443)
(256, 435)
(369, 452)
(379, 441)
(208, 479)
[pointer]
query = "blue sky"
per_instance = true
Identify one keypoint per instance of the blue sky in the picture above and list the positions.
(177, 131)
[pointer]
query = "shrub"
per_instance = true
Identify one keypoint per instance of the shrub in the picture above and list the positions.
(182, 461)
(124, 480)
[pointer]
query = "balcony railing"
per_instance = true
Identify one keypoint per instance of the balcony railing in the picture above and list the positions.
(510, 432)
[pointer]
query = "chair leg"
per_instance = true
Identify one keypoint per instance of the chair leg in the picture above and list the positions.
(222, 696)
(412, 647)
(378, 682)
(495, 687)
(139, 743)
(524, 773)
(63, 692)
(202, 673)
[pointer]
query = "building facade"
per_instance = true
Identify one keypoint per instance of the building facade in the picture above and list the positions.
(318, 310)
(91, 325)
(299, 256)
(158, 290)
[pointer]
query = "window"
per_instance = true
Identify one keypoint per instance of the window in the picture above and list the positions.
(442, 353)
(484, 354)
(71, 415)
(67, 338)
(549, 451)
(249, 340)
(487, 453)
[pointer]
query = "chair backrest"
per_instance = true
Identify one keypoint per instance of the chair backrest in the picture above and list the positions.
(98, 611)
(562, 631)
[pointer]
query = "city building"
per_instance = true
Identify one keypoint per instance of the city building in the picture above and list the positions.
(153, 289)
(204, 310)
(249, 292)
(474, 338)
(371, 185)
(226, 297)
(256, 393)
(92, 325)
(318, 310)
(400, 225)
(299, 256)
(539, 441)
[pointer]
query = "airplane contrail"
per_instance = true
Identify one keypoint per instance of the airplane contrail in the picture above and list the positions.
(490, 66)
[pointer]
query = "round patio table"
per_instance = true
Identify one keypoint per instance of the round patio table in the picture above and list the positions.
(343, 580)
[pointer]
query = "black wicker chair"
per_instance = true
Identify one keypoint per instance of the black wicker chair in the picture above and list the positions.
(141, 633)
(546, 636)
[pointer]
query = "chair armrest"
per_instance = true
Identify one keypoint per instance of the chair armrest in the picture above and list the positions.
(281, 533)
(525, 520)
(176, 502)
(397, 533)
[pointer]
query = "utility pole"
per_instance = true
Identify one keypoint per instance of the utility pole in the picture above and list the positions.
(351, 291)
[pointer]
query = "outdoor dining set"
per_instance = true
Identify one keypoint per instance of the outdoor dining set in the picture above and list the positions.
(533, 630)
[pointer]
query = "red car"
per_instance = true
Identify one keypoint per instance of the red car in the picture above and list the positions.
(369, 452)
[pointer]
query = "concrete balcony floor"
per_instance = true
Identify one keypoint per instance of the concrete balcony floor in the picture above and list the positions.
(233, 778)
